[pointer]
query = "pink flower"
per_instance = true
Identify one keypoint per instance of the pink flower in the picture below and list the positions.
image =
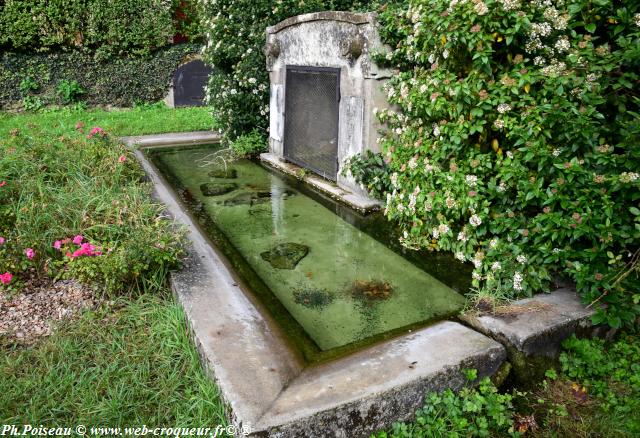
(6, 278)
(86, 249)
(96, 130)
(78, 239)
(79, 125)
(57, 244)
(2, 240)
(122, 159)
(3, 183)
(30, 253)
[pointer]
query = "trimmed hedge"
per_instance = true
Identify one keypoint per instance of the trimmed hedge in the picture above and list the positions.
(118, 82)
(105, 27)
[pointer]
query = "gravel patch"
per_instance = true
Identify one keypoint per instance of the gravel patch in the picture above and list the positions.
(33, 312)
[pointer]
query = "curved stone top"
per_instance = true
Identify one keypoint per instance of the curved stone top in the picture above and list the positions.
(348, 17)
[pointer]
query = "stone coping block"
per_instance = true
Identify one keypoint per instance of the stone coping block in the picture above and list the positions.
(367, 391)
(347, 17)
(358, 202)
(263, 383)
(172, 139)
(535, 326)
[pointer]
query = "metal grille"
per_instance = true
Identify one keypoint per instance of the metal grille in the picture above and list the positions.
(311, 118)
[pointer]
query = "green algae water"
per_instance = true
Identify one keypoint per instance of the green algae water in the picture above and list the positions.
(330, 283)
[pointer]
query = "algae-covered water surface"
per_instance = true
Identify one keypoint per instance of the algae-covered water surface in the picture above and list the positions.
(328, 280)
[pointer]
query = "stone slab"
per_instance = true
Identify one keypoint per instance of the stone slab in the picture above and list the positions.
(367, 391)
(356, 201)
(535, 326)
(172, 139)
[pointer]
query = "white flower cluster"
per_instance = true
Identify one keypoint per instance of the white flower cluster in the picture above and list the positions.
(503, 108)
(471, 180)
(481, 8)
(394, 179)
(517, 281)
(562, 45)
(636, 19)
(510, 5)
(540, 30)
(475, 220)
(556, 68)
(629, 177)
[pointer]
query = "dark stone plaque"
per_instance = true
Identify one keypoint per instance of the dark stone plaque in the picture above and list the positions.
(189, 81)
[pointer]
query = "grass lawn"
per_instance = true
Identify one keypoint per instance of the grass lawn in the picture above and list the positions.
(145, 119)
(129, 363)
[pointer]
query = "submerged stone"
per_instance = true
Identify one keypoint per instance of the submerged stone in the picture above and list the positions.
(224, 172)
(217, 189)
(285, 255)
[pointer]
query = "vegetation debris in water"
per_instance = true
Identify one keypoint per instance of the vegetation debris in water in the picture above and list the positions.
(313, 298)
(224, 172)
(371, 290)
(217, 189)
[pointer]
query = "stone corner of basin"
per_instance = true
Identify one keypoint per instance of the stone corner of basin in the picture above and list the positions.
(368, 391)
(535, 326)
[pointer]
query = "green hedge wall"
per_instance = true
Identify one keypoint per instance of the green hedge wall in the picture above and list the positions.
(118, 81)
(104, 27)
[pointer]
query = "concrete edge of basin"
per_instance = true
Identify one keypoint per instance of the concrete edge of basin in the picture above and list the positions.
(533, 329)
(240, 348)
(367, 391)
(360, 203)
(172, 139)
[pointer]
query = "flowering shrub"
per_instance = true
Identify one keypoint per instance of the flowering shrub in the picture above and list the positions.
(235, 30)
(515, 142)
(74, 207)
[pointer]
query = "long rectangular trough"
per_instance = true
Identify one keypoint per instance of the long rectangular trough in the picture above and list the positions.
(268, 388)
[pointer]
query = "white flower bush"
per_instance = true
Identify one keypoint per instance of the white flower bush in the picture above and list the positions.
(525, 115)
